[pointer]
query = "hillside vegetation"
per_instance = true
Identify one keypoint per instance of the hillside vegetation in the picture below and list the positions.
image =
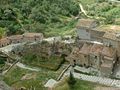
(105, 11)
(53, 17)
(18, 16)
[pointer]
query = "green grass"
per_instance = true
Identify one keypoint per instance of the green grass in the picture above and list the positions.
(14, 75)
(13, 78)
(1, 66)
(53, 62)
(61, 29)
(85, 2)
(79, 85)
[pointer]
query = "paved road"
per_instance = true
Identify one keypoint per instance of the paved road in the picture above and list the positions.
(100, 80)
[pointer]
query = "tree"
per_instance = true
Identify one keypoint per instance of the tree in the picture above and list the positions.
(71, 80)
(17, 14)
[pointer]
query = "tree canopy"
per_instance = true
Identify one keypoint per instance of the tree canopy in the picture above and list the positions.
(20, 15)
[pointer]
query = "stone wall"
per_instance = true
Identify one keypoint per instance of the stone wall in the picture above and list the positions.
(30, 37)
(83, 33)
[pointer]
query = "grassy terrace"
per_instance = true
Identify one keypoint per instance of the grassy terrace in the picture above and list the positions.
(52, 63)
(36, 79)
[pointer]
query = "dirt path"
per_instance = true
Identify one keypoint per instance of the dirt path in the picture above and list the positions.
(27, 67)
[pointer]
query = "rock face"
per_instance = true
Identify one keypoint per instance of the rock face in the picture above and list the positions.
(4, 86)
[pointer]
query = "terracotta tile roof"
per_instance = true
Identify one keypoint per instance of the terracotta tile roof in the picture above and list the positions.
(108, 51)
(85, 48)
(96, 49)
(109, 28)
(85, 23)
(4, 40)
(110, 36)
(111, 31)
(33, 34)
(107, 65)
(16, 37)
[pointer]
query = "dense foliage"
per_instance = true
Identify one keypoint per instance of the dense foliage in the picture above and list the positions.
(106, 11)
(53, 17)
(18, 16)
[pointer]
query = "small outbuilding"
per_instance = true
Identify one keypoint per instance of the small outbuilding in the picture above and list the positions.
(50, 84)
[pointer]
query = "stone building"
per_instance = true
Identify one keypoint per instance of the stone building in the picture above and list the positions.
(29, 37)
(80, 56)
(16, 39)
(103, 50)
(84, 53)
(83, 28)
(94, 54)
(108, 59)
(26, 37)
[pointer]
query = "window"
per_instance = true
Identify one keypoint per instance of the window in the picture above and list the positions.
(84, 65)
(13, 52)
(74, 61)
(95, 57)
(20, 53)
(91, 64)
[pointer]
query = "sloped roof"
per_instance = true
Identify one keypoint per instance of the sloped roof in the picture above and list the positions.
(110, 65)
(108, 51)
(4, 40)
(96, 49)
(32, 34)
(85, 48)
(16, 37)
(111, 31)
(88, 23)
(110, 36)
(108, 28)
